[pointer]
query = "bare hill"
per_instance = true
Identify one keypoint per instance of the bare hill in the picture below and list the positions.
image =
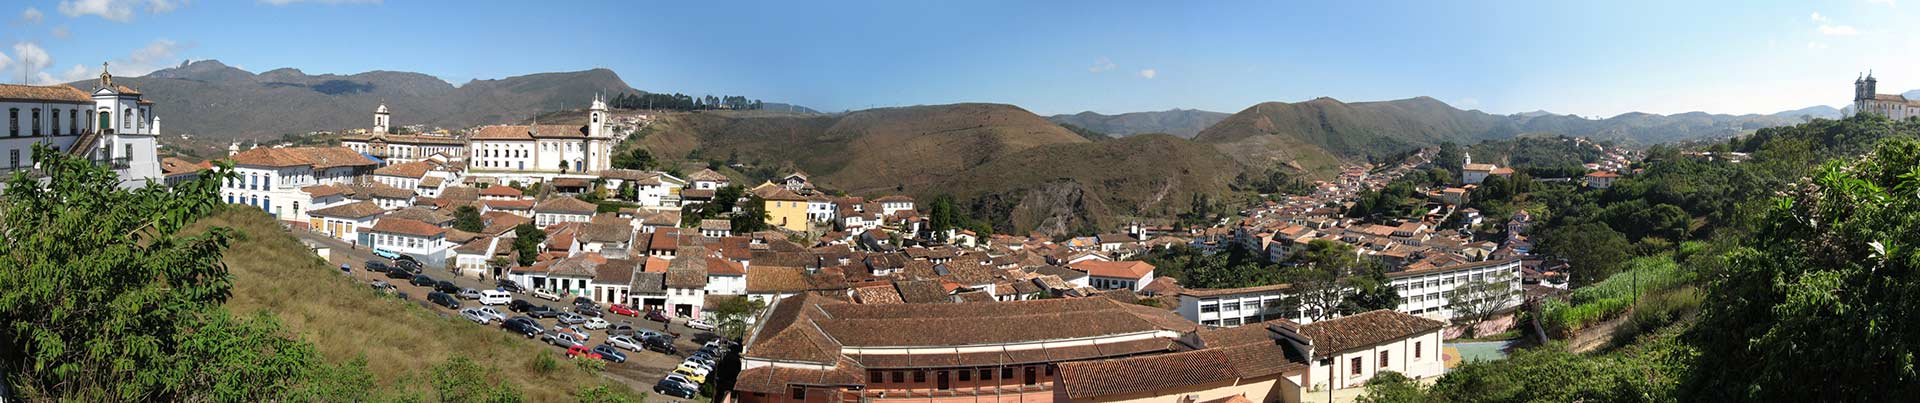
(1184, 123)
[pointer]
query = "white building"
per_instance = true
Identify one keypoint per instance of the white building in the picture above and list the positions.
(707, 179)
(112, 126)
(424, 242)
(1867, 99)
(562, 209)
(1425, 292)
(894, 203)
(1229, 307)
(347, 222)
(1105, 275)
(1346, 359)
(820, 208)
(534, 153)
(392, 148)
(274, 179)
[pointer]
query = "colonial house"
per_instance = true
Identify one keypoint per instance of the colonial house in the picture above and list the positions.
(114, 126)
(562, 209)
(346, 222)
(392, 148)
(1425, 291)
(785, 209)
(536, 152)
(425, 242)
(1128, 275)
(708, 180)
(894, 203)
(1601, 179)
(273, 179)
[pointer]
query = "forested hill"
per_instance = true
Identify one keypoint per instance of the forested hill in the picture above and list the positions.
(1732, 279)
(1184, 123)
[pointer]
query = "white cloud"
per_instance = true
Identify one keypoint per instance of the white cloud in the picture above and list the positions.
(1102, 65)
(5, 61)
(32, 57)
(160, 53)
(327, 2)
(1148, 74)
(32, 15)
(61, 32)
(1816, 45)
(1820, 18)
(116, 10)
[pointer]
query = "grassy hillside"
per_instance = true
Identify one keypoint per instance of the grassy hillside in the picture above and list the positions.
(1184, 123)
(1061, 188)
(1311, 135)
(346, 320)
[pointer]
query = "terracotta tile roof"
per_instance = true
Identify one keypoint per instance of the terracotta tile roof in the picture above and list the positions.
(501, 191)
(431, 182)
(980, 323)
(776, 379)
(776, 279)
(778, 193)
(923, 292)
(707, 175)
(1095, 378)
(515, 205)
(45, 93)
(408, 227)
(318, 157)
(615, 271)
(526, 132)
(175, 166)
(1338, 335)
(894, 198)
(565, 205)
(499, 222)
(414, 169)
(1463, 266)
(716, 224)
(421, 214)
(318, 191)
(1131, 269)
(877, 294)
(1602, 174)
(689, 270)
(379, 190)
(648, 282)
(664, 240)
(723, 267)
(349, 210)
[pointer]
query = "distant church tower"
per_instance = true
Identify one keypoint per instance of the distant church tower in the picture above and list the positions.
(597, 118)
(380, 119)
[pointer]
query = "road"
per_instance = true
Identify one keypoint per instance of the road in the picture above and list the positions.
(641, 371)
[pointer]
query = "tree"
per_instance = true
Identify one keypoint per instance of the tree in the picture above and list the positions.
(1823, 289)
(726, 197)
(1369, 292)
(752, 216)
(732, 315)
(1477, 300)
(467, 218)
(1594, 250)
(1392, 387)
(526, 241)
(636, 158)
(105, 298)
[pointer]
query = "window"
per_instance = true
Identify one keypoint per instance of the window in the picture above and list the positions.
(1006, 372)
(986, 375)
(966, 375)
(1326, 361)
(14, 157)
(919, 376)
(56, 121)
(36, 121)
(73, 121)
(1416, 350)
(1049, 370)
(875, 376)
(13, 122)
(1355, 366)
(800, 393)
(1383, 359)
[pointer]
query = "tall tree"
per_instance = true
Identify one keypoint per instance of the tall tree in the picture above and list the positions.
(467, 218)
(1477, 300)
(526, 241)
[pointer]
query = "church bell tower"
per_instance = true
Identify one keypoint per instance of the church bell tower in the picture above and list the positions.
(380, 119)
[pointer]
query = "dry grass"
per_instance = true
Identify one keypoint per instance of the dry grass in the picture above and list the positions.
(345, 319)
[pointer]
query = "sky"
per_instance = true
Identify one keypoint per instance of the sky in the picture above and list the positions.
(1585, 58)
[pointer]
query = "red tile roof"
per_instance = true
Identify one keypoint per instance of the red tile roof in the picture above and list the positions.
(1132, 269)
(44, 93)
(1339, 335)
(318, 157)
(408, 227)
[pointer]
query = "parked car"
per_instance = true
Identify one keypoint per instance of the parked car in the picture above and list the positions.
(491, 313)
(700, 367)
(700, 325)
(688, 367)
(587, 310)
(688, 373)
(423, 281)
(571, 318)
(621, 309)
(644, 333)
(623, 327)
(674, 388)
(468, 294)
(509, 286)
(407, 262)
(564, 339)
(524, 328)
(577, 334)
(681, 380)
(476, 316)
(659, 344)
(708, 362)
(610, 354)
(381, 285)
(542, 311)
(494, 297)
(582, 301)
(626, 342)
(375, 266)
(446, 287)
(400, 274)
(546, 295)
(596, 323)
(658, 316)
(443, 299)
(578, 351)
(520, 305)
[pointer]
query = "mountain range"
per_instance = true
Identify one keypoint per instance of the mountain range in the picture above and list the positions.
(1184, 123)
(214, 100)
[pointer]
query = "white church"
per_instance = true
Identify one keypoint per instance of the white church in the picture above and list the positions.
(392, 148)
(543, 152)
(112, 125)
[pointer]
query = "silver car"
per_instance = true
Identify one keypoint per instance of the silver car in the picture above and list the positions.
(571, 318)
(625, 342)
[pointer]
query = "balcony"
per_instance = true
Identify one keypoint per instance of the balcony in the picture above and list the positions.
(118, 164)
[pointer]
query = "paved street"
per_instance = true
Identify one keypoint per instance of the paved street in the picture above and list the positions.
(641, 371)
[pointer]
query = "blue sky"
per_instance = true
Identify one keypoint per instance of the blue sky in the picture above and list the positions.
(1587, 58)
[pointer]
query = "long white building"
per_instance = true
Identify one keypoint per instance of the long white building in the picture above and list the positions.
(392, 148)
(113, 125)
(537, 152)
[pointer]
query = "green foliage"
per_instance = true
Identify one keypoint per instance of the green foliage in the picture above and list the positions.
(459, 379)
(1371, 292)
(635, 158)
(732, 316)
(349, 381)
(1824, 288)
(545, 364)
(1551, 374)
(526, 242)
(1194, 269)
(604, 394)
(1612, 297)
(752, 216)
(1396, 200)
(1594, 250)
(1392, 387)
(590, 365)
(467, 218)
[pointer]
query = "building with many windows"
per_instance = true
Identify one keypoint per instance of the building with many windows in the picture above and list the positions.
(538, 153)
(275, 179)
(392, 148)
(113, 125)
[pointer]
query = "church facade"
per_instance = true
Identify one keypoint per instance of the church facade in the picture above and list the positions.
(113, 125)
(1867, 99)
(542, 152)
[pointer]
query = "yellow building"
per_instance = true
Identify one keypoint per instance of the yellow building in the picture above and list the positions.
(785, 209)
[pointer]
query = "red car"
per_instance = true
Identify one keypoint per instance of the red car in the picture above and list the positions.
(618, 309)
(658, 316)
(578, 351)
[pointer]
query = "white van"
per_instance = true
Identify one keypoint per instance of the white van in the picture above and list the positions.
(495, 297)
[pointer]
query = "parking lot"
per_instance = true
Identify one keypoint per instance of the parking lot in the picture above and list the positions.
(641, 370)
